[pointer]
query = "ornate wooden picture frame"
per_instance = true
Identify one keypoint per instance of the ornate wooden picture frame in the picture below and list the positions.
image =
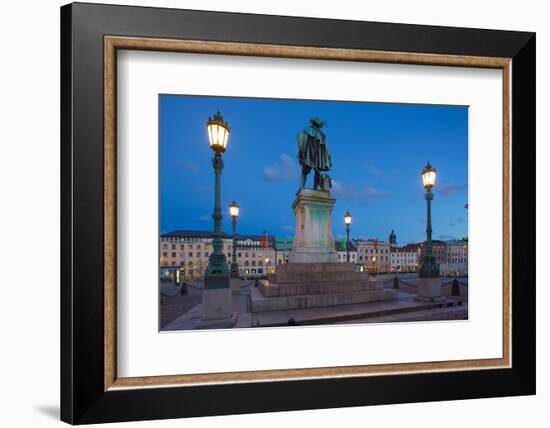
(91, 390)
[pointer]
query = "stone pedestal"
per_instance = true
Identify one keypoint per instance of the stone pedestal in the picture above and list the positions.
(430, 290)
(313, 239)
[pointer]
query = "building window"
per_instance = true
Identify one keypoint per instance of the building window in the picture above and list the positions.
(190, 254)
(173, 254)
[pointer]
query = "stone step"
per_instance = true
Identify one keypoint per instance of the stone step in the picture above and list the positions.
(377, 312)
(313, 277)
(269, 289)
(260, 303)
(315, 267)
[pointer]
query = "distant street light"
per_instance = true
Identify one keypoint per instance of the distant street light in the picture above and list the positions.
(234, 213)
(429, 268)
(216, 275)
(347, 221)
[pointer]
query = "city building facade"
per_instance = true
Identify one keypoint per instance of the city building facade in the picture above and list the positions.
(406, 258)
(341, 249)
(373, 255)
(439, 251)
(457, 251)
(184, 254)
(189, 251)
(283, 247)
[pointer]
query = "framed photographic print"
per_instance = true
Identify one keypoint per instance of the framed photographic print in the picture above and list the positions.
(267, 213)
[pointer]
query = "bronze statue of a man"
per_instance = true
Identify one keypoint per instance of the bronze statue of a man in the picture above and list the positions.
(313, 155)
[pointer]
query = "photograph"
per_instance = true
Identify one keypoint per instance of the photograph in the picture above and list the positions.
(298, 212)
(282, 210)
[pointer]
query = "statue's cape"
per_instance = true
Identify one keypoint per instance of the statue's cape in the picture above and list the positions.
(323, 159)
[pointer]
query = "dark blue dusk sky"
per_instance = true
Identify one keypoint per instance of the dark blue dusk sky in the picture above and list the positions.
(378, 152)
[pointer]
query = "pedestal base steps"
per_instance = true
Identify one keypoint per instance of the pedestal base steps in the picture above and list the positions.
(316, 285)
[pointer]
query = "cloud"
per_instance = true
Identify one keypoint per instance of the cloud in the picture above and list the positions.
(371, 192)
(345, 190)
(451, 189)
(375, 171)
(362, 192)
(288, 227)
(188, 166)
(283, 170)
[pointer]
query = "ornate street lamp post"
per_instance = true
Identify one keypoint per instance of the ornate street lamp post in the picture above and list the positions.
(429, 268)
(347, 221)
(217, 300)
(234, 212)
(216, 275)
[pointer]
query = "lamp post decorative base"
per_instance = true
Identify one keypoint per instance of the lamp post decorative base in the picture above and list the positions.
(217, 324)
(430, 290)
(217, 308)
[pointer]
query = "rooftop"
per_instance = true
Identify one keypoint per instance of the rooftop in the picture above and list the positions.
(339, 247)
(209, 234)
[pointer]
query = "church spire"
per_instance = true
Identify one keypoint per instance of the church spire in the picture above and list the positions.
(393, 238)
